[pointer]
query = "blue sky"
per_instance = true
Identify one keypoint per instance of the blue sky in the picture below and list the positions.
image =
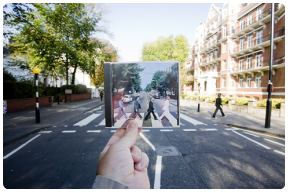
(134, 24)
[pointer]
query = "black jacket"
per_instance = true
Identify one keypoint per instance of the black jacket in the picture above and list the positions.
(218, 102)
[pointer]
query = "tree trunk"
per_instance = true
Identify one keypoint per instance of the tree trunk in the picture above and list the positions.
(66, 69)
(73, 75)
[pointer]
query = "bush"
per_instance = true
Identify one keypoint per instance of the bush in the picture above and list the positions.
(76, 89)
(225, 100)
(242, 101)
(211, 99)
(276, 103)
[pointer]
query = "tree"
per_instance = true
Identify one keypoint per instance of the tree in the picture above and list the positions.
(168, 48)
(55, 37)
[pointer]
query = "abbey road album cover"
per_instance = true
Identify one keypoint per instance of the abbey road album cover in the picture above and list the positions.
(145, 91)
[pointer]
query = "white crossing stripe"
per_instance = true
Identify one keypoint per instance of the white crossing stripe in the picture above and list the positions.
(147, 141)
(102, 122)
(156, 123)
(264, 146)
(20, 147)
(251, 134)
(260, 134)
(275, 142)
(209, 129)
(93, 131)
(280, 152)
(166, 130)
(189, 129)
(45, 132)
(87, 120)
(121, 121)
(172, 120)
(190, 120)
(68, 131)
(158, 168)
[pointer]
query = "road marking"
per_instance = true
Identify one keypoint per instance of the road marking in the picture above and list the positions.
(65, 125)
(260, 133)
(166, 130)
(231, 129)
(252, 134)
(68, 131)
(275, 142)
(280, 152)
(87, 120)
(147, 141)
(119, 123)
(93, 131)
(264, 146)
(145, 130)
(156, 123)
(113, 131)
(20, 147)
(45, 132)
(54, 126)
(190, 120)
(158, 168)
(102, 122)
(209, 129)
(189, 129)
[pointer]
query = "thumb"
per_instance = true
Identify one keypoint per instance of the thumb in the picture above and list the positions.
(130, 135)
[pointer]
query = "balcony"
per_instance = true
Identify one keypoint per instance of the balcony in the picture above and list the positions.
(244, 70)
(257, 44)
(210, 62)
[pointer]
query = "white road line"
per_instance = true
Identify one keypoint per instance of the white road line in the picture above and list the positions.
(93, 131)
(145, 130)
(113, 131)
(166, 130)
(87, 120)
(20, 147)
(102, 122)
(190, 120)
(275, 142)
(158, 168)
(231, 129)
(147, 141)
(65, 125)
(68, 131)
(260, 134)
(252, 134)
(189, 129)
(209, 129)
(156, 123)
(280, 152)
(264, 146)
(54, 126)
(45, 132)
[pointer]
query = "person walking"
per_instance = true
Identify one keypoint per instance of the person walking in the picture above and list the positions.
(165, 108)
(150, 110)
(137, 106)
(218, 104)
(121, 110)
(101, 95)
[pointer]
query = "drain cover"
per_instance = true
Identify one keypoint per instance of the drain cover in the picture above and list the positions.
(167, 151)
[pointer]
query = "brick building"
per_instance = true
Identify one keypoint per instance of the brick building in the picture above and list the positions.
(234, 54)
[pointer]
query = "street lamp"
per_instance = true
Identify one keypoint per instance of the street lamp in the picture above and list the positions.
(36, 72)
(198, 105)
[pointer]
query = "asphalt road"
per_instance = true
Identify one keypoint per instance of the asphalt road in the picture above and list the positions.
(205, 155)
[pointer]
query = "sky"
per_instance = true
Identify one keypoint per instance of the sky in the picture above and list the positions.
(131, 25)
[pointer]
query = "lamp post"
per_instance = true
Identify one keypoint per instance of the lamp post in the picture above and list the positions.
(269, 88)
(36, 72)
(198, 105)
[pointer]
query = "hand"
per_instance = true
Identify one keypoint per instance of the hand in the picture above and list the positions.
(123, 161)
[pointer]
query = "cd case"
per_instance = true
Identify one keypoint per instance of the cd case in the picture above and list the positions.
(145, 91)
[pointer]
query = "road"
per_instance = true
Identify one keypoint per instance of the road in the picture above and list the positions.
(200, 154)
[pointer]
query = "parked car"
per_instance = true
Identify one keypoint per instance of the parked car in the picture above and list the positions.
(127, 99)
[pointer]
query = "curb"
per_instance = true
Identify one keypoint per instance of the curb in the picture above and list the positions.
(257, 130)
(8, 142)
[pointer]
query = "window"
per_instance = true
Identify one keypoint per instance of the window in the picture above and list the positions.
(259, 14)
(250, 19)
(249, 62)
(241, 82)
(248, 82)
(259, 60)
(242, 25)
(258, 81)
(250, 40)
(225, 31)
(241, 44)
(259, 37)
(241, 63)
(224, 83)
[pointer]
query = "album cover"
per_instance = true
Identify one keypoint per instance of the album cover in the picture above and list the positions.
(145, 91)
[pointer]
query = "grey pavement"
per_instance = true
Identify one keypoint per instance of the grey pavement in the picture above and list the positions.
(254, 122)
(21, 124)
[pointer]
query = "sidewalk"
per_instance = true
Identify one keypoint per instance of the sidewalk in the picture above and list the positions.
(21, 124)
(236, 119)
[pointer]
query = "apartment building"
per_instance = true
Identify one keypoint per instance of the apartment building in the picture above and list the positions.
(236, 51)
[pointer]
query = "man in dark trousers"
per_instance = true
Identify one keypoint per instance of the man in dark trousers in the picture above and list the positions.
(218, 104)
(150, 110)
(101, 95)
(137, 106)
